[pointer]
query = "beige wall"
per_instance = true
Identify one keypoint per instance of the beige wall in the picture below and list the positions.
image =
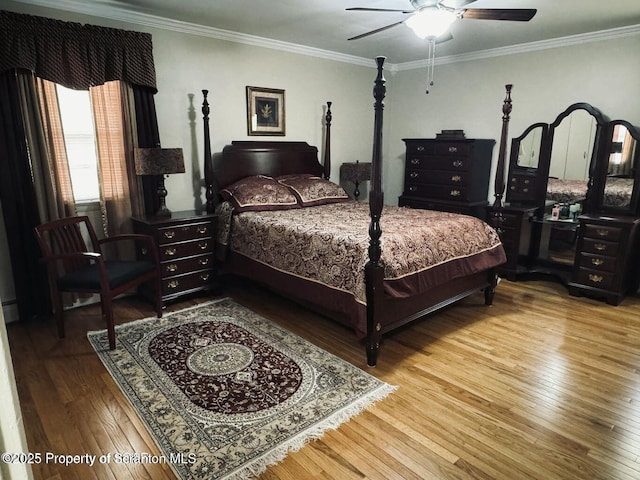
(466, 95)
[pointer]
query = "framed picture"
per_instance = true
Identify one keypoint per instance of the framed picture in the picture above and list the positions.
(265, 111)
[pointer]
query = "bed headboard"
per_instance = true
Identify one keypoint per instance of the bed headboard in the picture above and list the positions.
(245, 158)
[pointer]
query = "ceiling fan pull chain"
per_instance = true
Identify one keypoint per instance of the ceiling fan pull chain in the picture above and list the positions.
(431, 60)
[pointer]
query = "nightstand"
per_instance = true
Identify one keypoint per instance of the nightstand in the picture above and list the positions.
(185, 243)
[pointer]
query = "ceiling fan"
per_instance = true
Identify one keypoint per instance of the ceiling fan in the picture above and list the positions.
(432, 18)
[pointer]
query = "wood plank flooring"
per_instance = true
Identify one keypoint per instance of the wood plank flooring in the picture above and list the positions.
(539, 386)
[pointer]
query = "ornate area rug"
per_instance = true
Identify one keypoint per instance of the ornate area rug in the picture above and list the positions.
(226, 393)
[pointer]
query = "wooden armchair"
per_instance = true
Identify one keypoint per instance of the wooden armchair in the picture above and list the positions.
(75, 263)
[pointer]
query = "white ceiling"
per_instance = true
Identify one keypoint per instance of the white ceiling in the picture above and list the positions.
(326, 25)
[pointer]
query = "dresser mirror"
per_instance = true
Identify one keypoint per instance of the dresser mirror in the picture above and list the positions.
(571, 158)
(623, 162)
(528, 146)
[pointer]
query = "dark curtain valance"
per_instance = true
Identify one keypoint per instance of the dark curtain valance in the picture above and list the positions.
(75, 55)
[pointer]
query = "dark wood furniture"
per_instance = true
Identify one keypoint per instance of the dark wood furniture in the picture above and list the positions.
(383, 312)
(77, 261)
(185, 243)
(585, 160)
(447, 174)
(607, 257)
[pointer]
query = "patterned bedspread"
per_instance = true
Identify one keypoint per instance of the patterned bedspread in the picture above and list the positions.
(617, 191)
(328, 244)
(566, 191)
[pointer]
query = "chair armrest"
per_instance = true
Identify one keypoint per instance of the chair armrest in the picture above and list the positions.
(96, 257)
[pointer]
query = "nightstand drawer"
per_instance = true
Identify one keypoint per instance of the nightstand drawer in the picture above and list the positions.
(186, 249)
(179, 233)
(186, 265)
(183, 283)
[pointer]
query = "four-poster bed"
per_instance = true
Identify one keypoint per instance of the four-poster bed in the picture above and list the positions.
(284, 224)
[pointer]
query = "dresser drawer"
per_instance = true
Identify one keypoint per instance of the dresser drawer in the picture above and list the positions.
(451, 164)
(600, 247)
(445, 192)
(604, 232)
(597, 262)
(186, 249)
(596, 279)
(421, 148)
(183, 283)
(178, 233)
(186, 265)
(438, 177)
(454, 148)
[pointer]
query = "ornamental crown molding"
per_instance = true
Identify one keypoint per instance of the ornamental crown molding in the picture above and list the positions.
(118, 13)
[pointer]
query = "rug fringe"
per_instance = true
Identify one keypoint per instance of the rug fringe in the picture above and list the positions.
(277, 455)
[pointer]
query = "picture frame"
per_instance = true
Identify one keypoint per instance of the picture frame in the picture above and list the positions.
(265, 111)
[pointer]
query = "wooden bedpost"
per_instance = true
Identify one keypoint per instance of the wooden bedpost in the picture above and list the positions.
(327, 143)
(208, 161)
(374, 269)
(499, 181)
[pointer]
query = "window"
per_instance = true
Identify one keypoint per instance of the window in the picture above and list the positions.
(80, 141)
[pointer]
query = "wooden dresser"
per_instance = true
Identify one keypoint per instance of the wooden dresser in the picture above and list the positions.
(447, 174)
(606, 257)
(186, 249)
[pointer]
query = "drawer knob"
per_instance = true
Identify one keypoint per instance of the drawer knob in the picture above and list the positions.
(170, 251)
(526, 182)
(203, 245)
(204, 277)
(453, 149)
(414, 174)
(169, 234)
(597, 262)
(144, 250)
(601, 247)
(525, 190)
(457, 163)
(413, 188)
(415, 161)
(202, 229)
(602, 232)
(455, 193)
(172, 267)
(204, 261)
(173, 284)
(456, 178)
(595, 278)
(420, 148)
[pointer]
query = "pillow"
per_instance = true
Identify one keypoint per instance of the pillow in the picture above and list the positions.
(259, 192)
(312, 190)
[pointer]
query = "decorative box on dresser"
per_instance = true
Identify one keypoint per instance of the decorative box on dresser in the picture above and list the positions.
(186, 249)
(447, 173)
(606, 257)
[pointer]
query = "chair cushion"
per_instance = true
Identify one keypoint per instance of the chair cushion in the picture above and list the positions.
(119, 272)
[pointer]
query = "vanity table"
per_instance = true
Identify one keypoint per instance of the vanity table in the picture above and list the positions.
(585, 161)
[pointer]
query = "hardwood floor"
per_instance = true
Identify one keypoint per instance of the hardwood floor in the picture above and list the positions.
(539, 386)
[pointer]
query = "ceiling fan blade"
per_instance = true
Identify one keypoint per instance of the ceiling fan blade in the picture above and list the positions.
(514, 14)
(376, 31)
(457, 4)
(363, 9)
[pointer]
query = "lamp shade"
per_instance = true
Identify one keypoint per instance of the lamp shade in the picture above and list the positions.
(355, 172)
(431, 22)
(158, 161)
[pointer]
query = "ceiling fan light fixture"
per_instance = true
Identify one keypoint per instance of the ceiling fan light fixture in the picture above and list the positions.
(431, 22)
